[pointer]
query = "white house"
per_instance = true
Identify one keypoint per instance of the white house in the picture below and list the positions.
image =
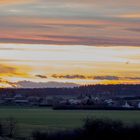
(139, 105)
(126, 105)
(109, 101)
(74, 101)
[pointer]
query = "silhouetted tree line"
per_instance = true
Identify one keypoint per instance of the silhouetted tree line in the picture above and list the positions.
(102, 90)
(97, 129)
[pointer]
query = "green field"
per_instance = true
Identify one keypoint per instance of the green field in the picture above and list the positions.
(47, 119)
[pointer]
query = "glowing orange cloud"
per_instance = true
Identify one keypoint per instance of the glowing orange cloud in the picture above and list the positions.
(11, 70)
(136, 15)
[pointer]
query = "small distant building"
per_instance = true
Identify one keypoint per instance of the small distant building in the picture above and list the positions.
(127, 105)
(21, 102)
(8, 100)
(64, 102)
(109, 101)
(139, 105)
(74, 101)
(97, 99)
(18, 96)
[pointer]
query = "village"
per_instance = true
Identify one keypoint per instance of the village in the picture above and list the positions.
(72, 102)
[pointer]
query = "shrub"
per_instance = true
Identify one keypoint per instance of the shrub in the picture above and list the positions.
(94, 129)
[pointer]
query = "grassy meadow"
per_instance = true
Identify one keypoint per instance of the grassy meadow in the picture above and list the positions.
(29, 119)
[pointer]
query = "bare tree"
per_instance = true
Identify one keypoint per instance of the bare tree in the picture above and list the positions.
(11, 127)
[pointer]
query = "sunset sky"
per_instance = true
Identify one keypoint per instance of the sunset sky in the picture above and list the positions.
(69, 41)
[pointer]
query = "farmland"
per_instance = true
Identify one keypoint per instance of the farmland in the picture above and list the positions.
(47, 119)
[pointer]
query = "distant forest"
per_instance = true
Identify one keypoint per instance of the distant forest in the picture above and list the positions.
(96, 90)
